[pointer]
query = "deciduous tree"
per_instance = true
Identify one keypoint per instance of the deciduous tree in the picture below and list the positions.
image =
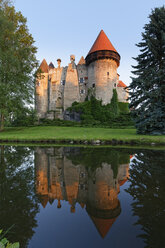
(17, 61)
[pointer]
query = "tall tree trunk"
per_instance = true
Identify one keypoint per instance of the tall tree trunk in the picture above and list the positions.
(2, 122)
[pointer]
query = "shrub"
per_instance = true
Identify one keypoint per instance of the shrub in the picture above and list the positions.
(4, 243)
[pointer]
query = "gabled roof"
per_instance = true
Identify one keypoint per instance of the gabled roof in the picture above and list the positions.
(44, 66)
(102, 43)
(121, 84)
(51, 66)
(82, 61)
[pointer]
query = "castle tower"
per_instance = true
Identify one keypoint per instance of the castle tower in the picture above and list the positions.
(42, 90)
(71, 91)
(102, 61)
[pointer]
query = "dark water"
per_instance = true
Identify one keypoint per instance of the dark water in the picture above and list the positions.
(83, 197)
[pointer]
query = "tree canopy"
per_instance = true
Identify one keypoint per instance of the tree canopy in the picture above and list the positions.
(17, 61)
(147, 89)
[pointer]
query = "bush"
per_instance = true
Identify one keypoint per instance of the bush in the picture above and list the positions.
(4, 243)
(123, 107)
(25, 117)
(93, 113)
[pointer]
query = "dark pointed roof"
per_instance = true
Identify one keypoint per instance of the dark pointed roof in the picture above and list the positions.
(44, 200)
(51, 200)
(44, 66)
(102, 43)
(82, 61)
(51, 66)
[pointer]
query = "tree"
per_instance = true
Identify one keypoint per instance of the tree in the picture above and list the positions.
(114, 103)
(17, 193)
(147, 89)
(147, 187)
(17, 62)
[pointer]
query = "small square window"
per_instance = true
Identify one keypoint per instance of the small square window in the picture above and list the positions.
(82, 91)
(81, 80)
(62, 82)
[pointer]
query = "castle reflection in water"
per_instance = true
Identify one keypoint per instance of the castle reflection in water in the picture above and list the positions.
(66, 174)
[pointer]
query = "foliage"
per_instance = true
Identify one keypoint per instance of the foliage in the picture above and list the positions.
(93, 113)
(123, 107)
(17, 61)
(93, 159)
(114, 103)
(18, 193)
(4, 243)
(26, 117)
(147, 90)
(147, 188)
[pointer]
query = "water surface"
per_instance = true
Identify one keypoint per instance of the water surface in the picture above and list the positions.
(83, 197)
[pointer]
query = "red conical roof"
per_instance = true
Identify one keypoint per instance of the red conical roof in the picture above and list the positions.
(103, 225)
(102, 43)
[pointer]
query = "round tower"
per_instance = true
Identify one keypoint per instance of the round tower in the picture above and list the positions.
(102, 62)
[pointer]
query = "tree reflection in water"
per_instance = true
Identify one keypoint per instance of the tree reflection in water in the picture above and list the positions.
(147, 177)
(18, 203)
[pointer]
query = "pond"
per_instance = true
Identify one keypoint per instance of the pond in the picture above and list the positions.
(83, 196)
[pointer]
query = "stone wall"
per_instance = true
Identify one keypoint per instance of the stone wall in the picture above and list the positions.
(42, 95)
(122, 94)
(102, 77)
(61, 86)
(71, 89)
(83, 81)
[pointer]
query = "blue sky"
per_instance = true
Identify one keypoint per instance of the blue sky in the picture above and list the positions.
(62, 28)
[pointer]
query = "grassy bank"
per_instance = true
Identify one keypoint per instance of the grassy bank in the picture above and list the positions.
(77, 135)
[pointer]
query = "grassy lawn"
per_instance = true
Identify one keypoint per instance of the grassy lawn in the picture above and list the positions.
(41, 133)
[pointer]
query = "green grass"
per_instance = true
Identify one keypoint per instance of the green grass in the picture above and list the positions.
(45, 133)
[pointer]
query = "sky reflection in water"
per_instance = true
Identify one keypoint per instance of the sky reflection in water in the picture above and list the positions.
(83, 197)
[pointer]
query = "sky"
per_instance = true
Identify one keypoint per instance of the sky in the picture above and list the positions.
(61, 28)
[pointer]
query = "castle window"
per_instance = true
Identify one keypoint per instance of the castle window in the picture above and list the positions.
(62, 82)
(108, 73)
(82, 91)
(115, 85)
(93, 85)
(81, 80)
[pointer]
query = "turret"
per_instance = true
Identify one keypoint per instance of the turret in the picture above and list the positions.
(102, 61)
(102, 49)
(41, 90)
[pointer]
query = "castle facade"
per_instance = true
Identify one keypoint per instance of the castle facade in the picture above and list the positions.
(57, 88)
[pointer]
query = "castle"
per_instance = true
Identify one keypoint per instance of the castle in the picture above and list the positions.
(57, 88)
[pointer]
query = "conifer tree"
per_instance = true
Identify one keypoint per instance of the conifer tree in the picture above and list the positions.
(17, 61)
(147, 89)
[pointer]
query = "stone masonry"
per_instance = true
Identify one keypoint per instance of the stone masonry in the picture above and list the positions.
(57, 88)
